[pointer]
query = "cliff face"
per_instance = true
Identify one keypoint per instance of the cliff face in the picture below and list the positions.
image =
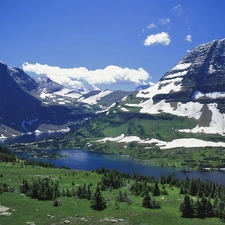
(200, 71)
(194, 88)
(21, 109)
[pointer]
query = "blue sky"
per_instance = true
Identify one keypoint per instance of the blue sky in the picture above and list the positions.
(114, 44)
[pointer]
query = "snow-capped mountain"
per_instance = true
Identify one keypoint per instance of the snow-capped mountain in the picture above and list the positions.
(29, 104)
(193, 88)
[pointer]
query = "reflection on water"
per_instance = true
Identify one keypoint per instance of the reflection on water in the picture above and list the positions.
(86, 160)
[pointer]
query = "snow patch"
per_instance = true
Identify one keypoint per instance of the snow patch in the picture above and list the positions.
(216, 126)
(192, 143)
(43, 95)
(38, 132)
(211, 69)
(190, 109)
(183, 142)
(213, 95)
(2, 137)
(181, 66)
(163, 87)
(177, 74)
(92, 100)
(124, 109)
(114, 139)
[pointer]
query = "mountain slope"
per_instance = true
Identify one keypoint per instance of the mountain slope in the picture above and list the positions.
(194, 88)
(39, 104)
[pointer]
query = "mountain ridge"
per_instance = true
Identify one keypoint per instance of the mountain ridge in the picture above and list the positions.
(39, 104)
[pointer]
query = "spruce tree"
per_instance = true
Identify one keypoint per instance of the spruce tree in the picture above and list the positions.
(146, 202)
(97, 201)
(186, 207)
(156, 191)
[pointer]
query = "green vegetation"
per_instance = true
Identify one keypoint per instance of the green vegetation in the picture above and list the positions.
(103, 196)
(162, 127)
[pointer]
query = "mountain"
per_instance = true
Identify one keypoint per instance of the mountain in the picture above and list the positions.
(39, 104)
(185, 108)
(194, 88)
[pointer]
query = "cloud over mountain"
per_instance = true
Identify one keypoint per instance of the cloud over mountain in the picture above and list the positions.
(74, 77)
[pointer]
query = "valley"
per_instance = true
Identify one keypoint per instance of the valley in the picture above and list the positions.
(176, 125)
(67, 196)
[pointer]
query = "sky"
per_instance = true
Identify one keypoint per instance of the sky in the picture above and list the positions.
(105, 44)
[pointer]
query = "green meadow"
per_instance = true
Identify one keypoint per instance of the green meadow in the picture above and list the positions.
(24, 209)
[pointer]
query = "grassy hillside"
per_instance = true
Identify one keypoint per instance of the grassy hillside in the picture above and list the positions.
(76, 209)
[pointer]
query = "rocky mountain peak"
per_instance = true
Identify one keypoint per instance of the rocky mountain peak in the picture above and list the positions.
(194, 88)
(202, 70)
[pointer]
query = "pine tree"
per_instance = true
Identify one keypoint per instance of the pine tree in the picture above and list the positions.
(146, 202)
(97, 201)
(186, 207)
(156, 191)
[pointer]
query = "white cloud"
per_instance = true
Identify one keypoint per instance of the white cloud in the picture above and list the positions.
(164, 21)
(74, 77)
(177, 9)
(152, 25)
(188, 38)
(160, 38)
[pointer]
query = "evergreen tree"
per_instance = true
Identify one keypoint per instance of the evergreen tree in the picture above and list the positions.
(146, 202)
(186, 207)
(208, 208)
(156, 191)
(97, 201)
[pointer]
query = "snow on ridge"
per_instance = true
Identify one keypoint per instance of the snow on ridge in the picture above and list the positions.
(190, 109)
(107, 109)
(183, 142)
(3, 63)
(181, 66)
(177, 74)
(65, 92)
(92, 100)
(168, 86)
(213, 95)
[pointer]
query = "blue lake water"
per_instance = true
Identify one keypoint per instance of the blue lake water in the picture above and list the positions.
(87, 160)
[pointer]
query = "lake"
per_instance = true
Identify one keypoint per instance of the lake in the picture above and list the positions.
(87, 160)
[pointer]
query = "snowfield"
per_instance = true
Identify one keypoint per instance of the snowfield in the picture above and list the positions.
(92, 100)
(181, 66)
(191, 109)
(213, 95)
(183, 142)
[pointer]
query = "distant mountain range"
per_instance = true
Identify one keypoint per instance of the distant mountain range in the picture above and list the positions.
(194, 88)
(40, 105)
